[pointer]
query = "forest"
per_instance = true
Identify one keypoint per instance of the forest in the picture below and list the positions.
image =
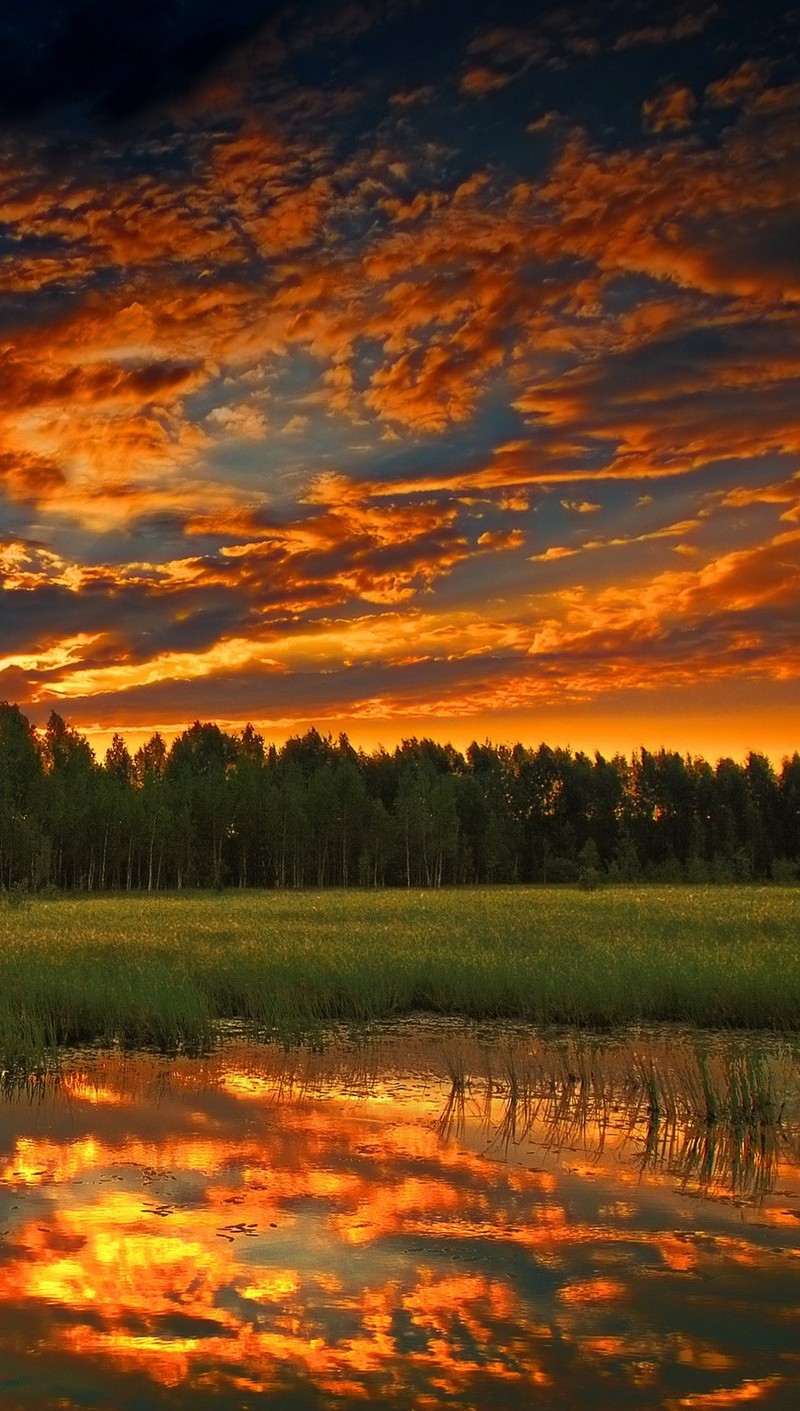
(215, 809)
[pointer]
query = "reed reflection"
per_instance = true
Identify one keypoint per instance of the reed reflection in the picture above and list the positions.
(443, 1224)
(724, 1123)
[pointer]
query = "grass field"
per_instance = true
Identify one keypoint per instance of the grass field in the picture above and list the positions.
(161, 970)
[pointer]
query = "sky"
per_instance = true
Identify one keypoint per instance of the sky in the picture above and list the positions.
(403, 368)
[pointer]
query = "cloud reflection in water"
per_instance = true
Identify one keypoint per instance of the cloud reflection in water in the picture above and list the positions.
(328, 1230)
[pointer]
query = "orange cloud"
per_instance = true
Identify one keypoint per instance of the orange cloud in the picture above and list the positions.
(738, 85)
(670, 111)
(96, 383)
(263, 300)
(240, 422)
(647, 211)
(556, 551)
(669, 531)
(687, 25)
(509, 43)
(424, 387)
(408, 97)
(502, 539)
(25, 476)
(479, 81)
(778, 493)
(678, 613)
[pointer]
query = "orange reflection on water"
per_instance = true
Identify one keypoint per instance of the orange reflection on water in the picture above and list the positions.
(747, 1391)
(80, 1090)
(593, 1290)
(228, 1230)
(677, 1252)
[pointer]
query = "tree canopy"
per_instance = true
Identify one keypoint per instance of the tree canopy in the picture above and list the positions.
(220, 809)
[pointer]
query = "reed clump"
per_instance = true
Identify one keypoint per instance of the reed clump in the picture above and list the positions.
(165, 971)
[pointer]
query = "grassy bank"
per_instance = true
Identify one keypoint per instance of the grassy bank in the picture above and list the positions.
(162, 970)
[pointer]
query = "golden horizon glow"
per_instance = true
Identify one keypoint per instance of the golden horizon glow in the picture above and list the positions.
(710, 735)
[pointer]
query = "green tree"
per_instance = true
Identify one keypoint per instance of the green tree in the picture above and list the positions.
(119, 816)
(196, 777)
(72, 805)
(21, 838)
(149, 764)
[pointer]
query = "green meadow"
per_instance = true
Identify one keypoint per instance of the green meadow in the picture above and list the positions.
(164, 970)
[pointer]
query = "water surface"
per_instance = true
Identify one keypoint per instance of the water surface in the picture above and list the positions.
(436, 1220)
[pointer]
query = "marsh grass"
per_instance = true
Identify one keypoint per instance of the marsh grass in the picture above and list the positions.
(163, 972)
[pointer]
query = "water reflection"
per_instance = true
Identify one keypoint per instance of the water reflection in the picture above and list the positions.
(434, 1223)
(721, 1115)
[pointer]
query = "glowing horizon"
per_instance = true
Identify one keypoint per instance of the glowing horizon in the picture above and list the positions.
(610, 735)
(403, 370)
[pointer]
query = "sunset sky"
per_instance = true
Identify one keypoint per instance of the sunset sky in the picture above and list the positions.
(403, 368)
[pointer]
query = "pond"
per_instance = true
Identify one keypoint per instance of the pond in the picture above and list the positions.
(432, 1217)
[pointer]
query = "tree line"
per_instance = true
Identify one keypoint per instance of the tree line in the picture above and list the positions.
(215, 809)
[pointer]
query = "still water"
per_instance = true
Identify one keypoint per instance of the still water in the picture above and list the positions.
(435, 1219)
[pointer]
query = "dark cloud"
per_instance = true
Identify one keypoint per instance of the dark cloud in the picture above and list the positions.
(142, 622)
(268, 692)
(114, 58)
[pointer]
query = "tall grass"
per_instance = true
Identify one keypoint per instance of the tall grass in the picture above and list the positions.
(162, 971)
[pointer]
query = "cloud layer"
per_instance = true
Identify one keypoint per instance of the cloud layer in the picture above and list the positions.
(346, 379)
